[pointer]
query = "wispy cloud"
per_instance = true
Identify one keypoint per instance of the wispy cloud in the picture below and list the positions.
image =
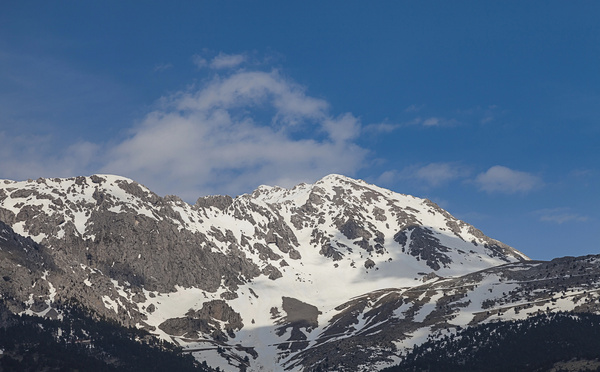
(163, 67)
(560, 216)
(378, 128)
(501, 179)
(486, 119)
(459, 117)
(389, 177)
(219, 62)
(223, 60)
(228, 134)
(41, 93)
(199, 61)
(483, 115)
(429, 175)
(343, 128)
(436, 174)
(433, 121)
(388, 127)
(236, 132)
(45, 106)
(414, 108)
(582, 173)
(37, 156)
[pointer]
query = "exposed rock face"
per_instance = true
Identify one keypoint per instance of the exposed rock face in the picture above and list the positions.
(207, 320)
(22, 263)
(299, 314)
(227, 271)
(390, 316)
(424, 245)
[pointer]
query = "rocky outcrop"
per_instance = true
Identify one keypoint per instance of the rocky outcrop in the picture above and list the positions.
(445, 305)
(204, 274)
(216, 319)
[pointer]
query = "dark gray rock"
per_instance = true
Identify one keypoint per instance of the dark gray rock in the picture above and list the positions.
(298, 315)
(424, 245)
(147, 243)
(221, 202)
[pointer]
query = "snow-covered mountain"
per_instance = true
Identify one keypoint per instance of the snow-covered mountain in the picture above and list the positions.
(335, 275)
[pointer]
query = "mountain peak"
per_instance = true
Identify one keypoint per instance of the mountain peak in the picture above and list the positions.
(286, 260)
(301, 193)
(334, 177)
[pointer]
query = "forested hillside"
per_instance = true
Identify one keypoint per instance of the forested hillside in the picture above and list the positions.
(548, 341)
(80, 343)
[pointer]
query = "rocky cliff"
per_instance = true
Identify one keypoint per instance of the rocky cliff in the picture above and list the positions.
(336, 273)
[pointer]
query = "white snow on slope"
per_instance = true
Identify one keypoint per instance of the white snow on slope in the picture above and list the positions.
(313, 279)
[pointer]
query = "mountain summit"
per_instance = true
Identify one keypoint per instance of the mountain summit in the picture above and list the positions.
(270, 278)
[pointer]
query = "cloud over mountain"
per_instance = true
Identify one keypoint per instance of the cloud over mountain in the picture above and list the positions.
(242, 129)
(508, 181)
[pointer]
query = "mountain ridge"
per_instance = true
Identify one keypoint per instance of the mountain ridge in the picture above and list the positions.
(278, 276)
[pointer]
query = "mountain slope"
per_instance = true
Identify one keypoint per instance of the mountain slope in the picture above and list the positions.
(387, 323)
(544, 342)
(79, 343)
(267, 278)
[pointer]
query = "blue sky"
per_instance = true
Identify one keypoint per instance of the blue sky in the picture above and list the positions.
(490, 109)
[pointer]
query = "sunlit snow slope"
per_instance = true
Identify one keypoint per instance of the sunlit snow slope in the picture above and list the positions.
(257, 281)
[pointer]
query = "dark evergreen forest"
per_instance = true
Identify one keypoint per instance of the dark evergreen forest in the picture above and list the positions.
(533, 344)
(82, 343)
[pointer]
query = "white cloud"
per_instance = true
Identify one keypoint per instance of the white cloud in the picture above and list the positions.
(163, 67)
(387, 127)
(438, 173)
(387, 178)
(228, 135)
(34, 156)
(199, 61)
(344, 128)
(223, 61)
(235, 133)
(431, 175)
(486, 119)
(505, 180)
(431, 122)
(560, 216)
(377, 128)
(459, 117)
(438, 122)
